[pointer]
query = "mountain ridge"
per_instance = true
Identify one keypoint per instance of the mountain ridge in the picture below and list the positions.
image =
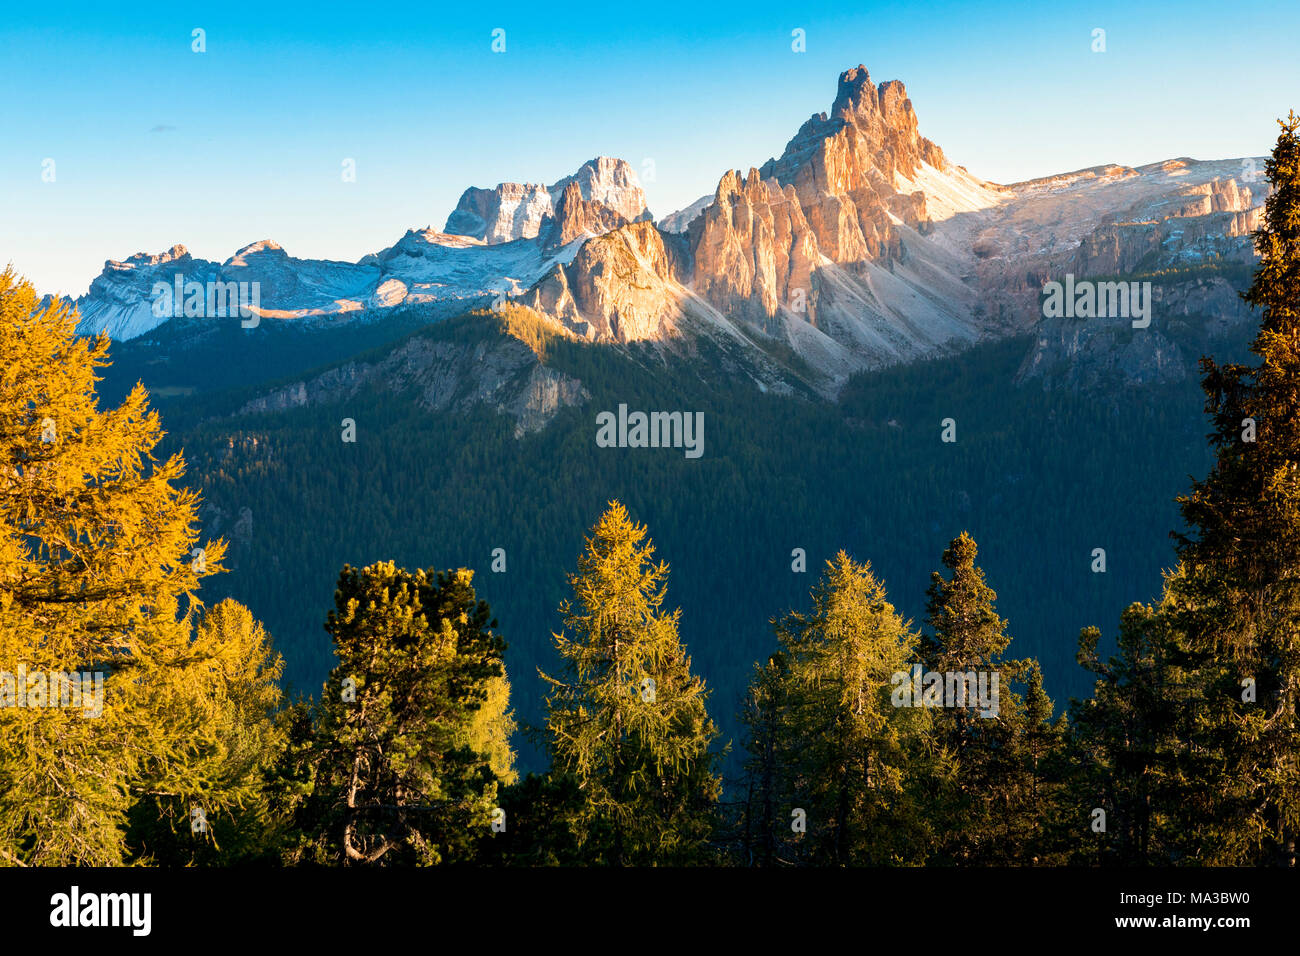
(861, 245)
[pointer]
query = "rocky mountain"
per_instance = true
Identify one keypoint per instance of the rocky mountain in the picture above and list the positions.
(821, 251)
(122, 300)
(852, 170)
(514, 211)
(471, 264)
(440, 375)
(861, 245)
(577, 217)
(681, 219)
(423, 266)
(1199, 311)
(1182, 226)
(620, 287)
(1105, 221)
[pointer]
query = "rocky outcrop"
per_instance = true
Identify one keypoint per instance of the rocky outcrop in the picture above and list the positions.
(846, 169)
(754, 252)
(499, 372)
(1191, 241)
(120, 300)
(1104, 222)
(1196, 223)
(576, 217)
(293, 284)
(620, 287)
(611, 182)
(1102, 353)
(512, 211)
(504, 213)
(1191, 314)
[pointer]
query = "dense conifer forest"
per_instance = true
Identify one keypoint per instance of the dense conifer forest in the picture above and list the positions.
(1068, 636)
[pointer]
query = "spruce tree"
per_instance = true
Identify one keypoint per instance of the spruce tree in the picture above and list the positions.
(626, 717)
(1241, 556)
(965, 630)
(766, 837)
(980, 804)
(543, 815)
(1134, 747)
(1037, 797)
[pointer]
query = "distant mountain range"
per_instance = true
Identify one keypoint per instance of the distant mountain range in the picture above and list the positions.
(861, 245)
(474, 363)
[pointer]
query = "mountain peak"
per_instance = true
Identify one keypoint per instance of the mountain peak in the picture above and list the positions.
(513, 211)
(261, 247)
(728, 185)
(176, 253)
(856, 93)
(882, 112)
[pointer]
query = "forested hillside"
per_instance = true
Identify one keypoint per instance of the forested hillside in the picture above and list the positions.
(1040, 478)
(770, 641)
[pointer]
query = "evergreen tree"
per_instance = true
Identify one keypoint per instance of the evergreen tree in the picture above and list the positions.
(965, 630)
(540, 826)
(1134, 747)
(827, 739)
(491, 726)
(626, 717)
(397, 775)
(1036, 797)
(99, 560)
(1240, 592)
(991, 798)
(766, 836)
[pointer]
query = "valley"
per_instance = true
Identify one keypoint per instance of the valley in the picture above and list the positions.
(825, 311)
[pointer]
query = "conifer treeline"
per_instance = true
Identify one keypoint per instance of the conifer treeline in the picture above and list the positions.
(867, 740)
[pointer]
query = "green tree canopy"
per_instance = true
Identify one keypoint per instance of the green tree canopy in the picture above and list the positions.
(626, 717)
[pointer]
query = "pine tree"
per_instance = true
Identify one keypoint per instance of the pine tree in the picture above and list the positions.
(395, 774)
(626, 717)
(543, 813)
(1241, 557)
(1037, 797)
(99, 561)
(965, 630)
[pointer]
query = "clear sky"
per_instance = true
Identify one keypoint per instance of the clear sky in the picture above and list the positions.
(154, 144)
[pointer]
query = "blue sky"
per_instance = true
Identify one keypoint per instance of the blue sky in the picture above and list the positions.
(154, 144)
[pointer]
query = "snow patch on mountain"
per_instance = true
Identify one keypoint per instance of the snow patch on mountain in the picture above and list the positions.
(513, 211)
(861, 245)
(423, 266)
(680, 220)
